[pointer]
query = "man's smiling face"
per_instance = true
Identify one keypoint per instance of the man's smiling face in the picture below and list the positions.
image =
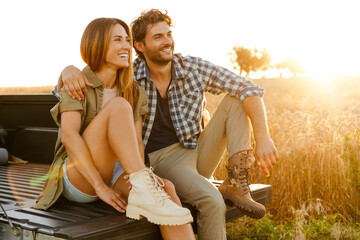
(159, 43)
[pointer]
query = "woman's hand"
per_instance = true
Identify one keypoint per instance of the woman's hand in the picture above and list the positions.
(111, 197)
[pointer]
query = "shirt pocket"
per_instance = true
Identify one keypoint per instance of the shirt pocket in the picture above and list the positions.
(190, 99)
(190, 105)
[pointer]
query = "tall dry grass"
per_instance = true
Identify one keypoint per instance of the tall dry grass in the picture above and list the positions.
(26, 90)
(316, 129)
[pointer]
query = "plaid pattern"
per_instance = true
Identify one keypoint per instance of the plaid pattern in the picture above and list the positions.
(191, 77)
(55, 92)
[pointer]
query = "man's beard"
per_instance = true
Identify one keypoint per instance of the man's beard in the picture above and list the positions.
(159, 58)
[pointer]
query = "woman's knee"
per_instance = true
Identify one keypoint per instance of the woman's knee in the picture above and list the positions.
(120, 104)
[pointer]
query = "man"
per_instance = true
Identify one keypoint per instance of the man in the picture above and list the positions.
(176, 145)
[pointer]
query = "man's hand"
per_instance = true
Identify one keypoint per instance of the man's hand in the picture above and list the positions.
(74, 81)
(266, 155)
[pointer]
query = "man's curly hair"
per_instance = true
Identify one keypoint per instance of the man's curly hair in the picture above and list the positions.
(140, 24)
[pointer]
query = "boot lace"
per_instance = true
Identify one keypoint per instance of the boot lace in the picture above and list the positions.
(239, 178)
(243, 179)
(156, 184)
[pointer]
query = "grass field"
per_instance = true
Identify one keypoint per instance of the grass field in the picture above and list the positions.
(316, 129)
(26, 90)
(316, 183)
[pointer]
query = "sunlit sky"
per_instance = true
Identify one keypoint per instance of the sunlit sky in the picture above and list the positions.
(39, 38)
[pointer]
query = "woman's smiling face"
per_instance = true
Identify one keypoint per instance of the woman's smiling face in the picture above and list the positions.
(119, 48)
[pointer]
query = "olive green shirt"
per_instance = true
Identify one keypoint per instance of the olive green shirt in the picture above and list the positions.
(88, 107)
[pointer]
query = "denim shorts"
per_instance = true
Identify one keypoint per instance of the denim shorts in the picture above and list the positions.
(73, 194)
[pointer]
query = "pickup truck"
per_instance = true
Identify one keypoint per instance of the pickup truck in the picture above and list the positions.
(29, 133)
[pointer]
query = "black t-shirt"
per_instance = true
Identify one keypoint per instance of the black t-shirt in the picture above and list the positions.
(163, 133)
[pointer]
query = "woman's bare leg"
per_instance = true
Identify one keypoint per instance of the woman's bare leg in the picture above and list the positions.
(110, 135)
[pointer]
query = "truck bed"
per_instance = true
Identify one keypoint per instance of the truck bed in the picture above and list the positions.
(21, 184)
(31, 136)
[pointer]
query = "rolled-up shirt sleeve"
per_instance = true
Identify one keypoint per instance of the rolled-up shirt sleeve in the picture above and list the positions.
(220, 80)
(66, 103)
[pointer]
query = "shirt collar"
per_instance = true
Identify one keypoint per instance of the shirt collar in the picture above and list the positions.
(178, 70)
(91, 76)
(143, 71)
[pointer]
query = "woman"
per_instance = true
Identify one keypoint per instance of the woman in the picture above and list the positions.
(104, 128)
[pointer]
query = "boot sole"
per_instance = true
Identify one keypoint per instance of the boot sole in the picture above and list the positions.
(246, 209)
(138, 213)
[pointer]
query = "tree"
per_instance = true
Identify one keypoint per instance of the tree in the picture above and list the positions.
(263, 62)
(246, 60)
(293, 66)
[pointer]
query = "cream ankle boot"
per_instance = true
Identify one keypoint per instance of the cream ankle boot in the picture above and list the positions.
(147, 198)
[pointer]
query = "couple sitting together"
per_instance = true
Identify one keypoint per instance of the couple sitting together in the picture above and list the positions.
(117, 114)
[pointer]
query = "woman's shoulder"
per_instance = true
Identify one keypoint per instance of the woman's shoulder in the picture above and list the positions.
(142, 96)
(91, 76)
(140, 108)
(141, 91)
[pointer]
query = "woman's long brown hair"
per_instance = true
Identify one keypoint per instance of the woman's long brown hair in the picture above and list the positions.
(93, 48)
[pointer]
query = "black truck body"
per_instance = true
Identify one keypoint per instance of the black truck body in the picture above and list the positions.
(31, 136)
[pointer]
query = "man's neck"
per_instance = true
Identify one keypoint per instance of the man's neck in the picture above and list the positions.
(160, 75)
(159, 72)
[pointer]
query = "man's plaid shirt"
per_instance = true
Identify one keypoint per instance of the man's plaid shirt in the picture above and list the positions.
(191, 77)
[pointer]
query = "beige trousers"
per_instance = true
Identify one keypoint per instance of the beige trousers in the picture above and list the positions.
(190, 169)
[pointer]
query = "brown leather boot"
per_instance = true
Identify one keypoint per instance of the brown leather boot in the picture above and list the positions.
(235, 189)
